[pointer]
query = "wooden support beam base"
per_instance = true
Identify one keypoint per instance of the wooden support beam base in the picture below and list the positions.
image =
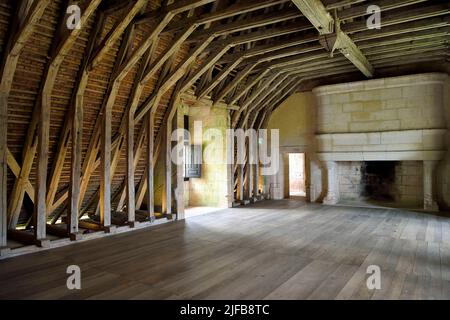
(95, 226)
(254, 200)
(236, 204)
(109, 229)
(90, 225)
(133, 224)
(61, 231)
(142, 215)
(4, 251)
(27, 238)
(76, 236)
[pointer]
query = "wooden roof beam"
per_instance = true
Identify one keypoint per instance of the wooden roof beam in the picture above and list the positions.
(237, 58)
(76, 101)
(278, 86)
(257, 92)
(168, 14)
(119, 74)
(40, 113)
(283, 90)
(317, 14)
(385, 5)
(401, 17)
(231, 11)
(351, 51)
(132, 10)
(233, 83)
(246, 24)
(20, 32)
(368, 34)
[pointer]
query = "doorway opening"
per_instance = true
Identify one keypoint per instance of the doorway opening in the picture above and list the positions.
(297, 183)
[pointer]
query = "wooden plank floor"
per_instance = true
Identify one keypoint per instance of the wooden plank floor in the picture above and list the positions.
(271, 250)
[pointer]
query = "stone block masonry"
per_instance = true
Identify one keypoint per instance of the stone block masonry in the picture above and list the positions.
(402, 103)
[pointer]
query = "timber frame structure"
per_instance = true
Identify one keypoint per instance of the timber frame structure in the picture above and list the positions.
(85, 112)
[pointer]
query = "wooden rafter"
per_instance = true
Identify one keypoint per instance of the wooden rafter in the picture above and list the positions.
(19, 34)
(41, 115)
(317, 14)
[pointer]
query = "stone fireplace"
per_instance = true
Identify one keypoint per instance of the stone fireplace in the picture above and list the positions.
(382, 140)
(382, 182)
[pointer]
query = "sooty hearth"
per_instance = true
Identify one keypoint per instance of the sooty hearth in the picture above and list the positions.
(378, 180)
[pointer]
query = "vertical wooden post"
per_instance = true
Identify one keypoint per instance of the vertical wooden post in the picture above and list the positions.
(168, 160)
(256, 187)
(40, 210)
(105, 168)
(3, 169)
(230, 164)
(75, 178)
(180, 177)
(150, 167)
(241, 182)
(250, 170)
(131, 198)
(245, 184)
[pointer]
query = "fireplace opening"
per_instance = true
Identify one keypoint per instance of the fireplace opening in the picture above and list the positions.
(378, 180)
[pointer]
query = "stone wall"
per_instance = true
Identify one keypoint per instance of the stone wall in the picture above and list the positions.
(392, 104)
(211, 189)
(409, 183)
(350, 187)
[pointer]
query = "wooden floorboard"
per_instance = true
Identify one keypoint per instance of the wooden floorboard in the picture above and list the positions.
(270, 250)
